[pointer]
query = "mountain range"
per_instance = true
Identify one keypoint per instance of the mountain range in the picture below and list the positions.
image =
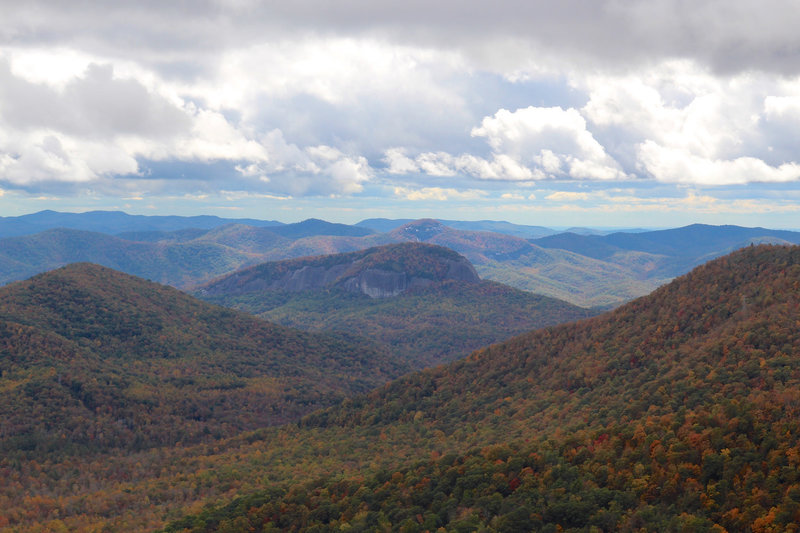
(674, 412)
(585, 269)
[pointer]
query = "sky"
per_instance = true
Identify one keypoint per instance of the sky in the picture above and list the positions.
(626, 113)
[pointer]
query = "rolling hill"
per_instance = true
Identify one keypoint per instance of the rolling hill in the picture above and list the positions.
(424, 302)
(93, 359)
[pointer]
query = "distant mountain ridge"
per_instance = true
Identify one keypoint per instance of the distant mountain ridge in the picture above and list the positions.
(386, 225)
(113, 222)
(590, 270)
(680, 248)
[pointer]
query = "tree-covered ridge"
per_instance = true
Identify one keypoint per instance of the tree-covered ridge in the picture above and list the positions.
(423, 326)
(91, 358)
(677, 412)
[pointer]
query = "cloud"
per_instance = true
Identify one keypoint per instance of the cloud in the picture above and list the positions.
(314, 170)
(311, 98)
(729, 35)
(398, 162)
(552, 139)
(437, 193)
(98, 127)
(676, 122)
(512, 196)
(96, 105)
(527, 144)
(567, 196)
(680, 166)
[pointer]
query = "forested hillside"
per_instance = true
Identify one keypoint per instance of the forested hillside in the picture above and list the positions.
(92, 359)
(677, 412)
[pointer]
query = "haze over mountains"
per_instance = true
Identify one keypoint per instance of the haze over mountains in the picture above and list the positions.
(586, 270)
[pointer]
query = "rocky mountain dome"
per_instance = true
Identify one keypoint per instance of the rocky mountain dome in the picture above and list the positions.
(379, 272)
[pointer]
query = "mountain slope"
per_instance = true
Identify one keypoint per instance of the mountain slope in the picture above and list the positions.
(676, 412)
(92, 358)
(443, 313)
(377, 272)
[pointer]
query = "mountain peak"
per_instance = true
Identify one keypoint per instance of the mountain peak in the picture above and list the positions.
(378, 272)
(420, 230)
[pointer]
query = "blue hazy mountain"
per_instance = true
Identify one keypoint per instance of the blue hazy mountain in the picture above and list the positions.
(113, 222)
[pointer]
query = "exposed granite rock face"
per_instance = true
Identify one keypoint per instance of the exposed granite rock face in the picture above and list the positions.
(309, 277)
(382, 283)
(379, 273)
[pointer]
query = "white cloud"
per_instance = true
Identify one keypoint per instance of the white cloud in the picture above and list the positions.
(680, 166)
(567, 196)
(528, 144)
(97, 126)
(298, 101)
(437, 193)
(399, 162)
(778, 107)
(677, 122)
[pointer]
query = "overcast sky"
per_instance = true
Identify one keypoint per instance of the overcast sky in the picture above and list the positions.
(579, 112)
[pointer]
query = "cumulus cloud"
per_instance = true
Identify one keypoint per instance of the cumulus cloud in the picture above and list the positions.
(553, 139)
(527, 144)
(680, 166)
(676, 122)
(96, 126)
